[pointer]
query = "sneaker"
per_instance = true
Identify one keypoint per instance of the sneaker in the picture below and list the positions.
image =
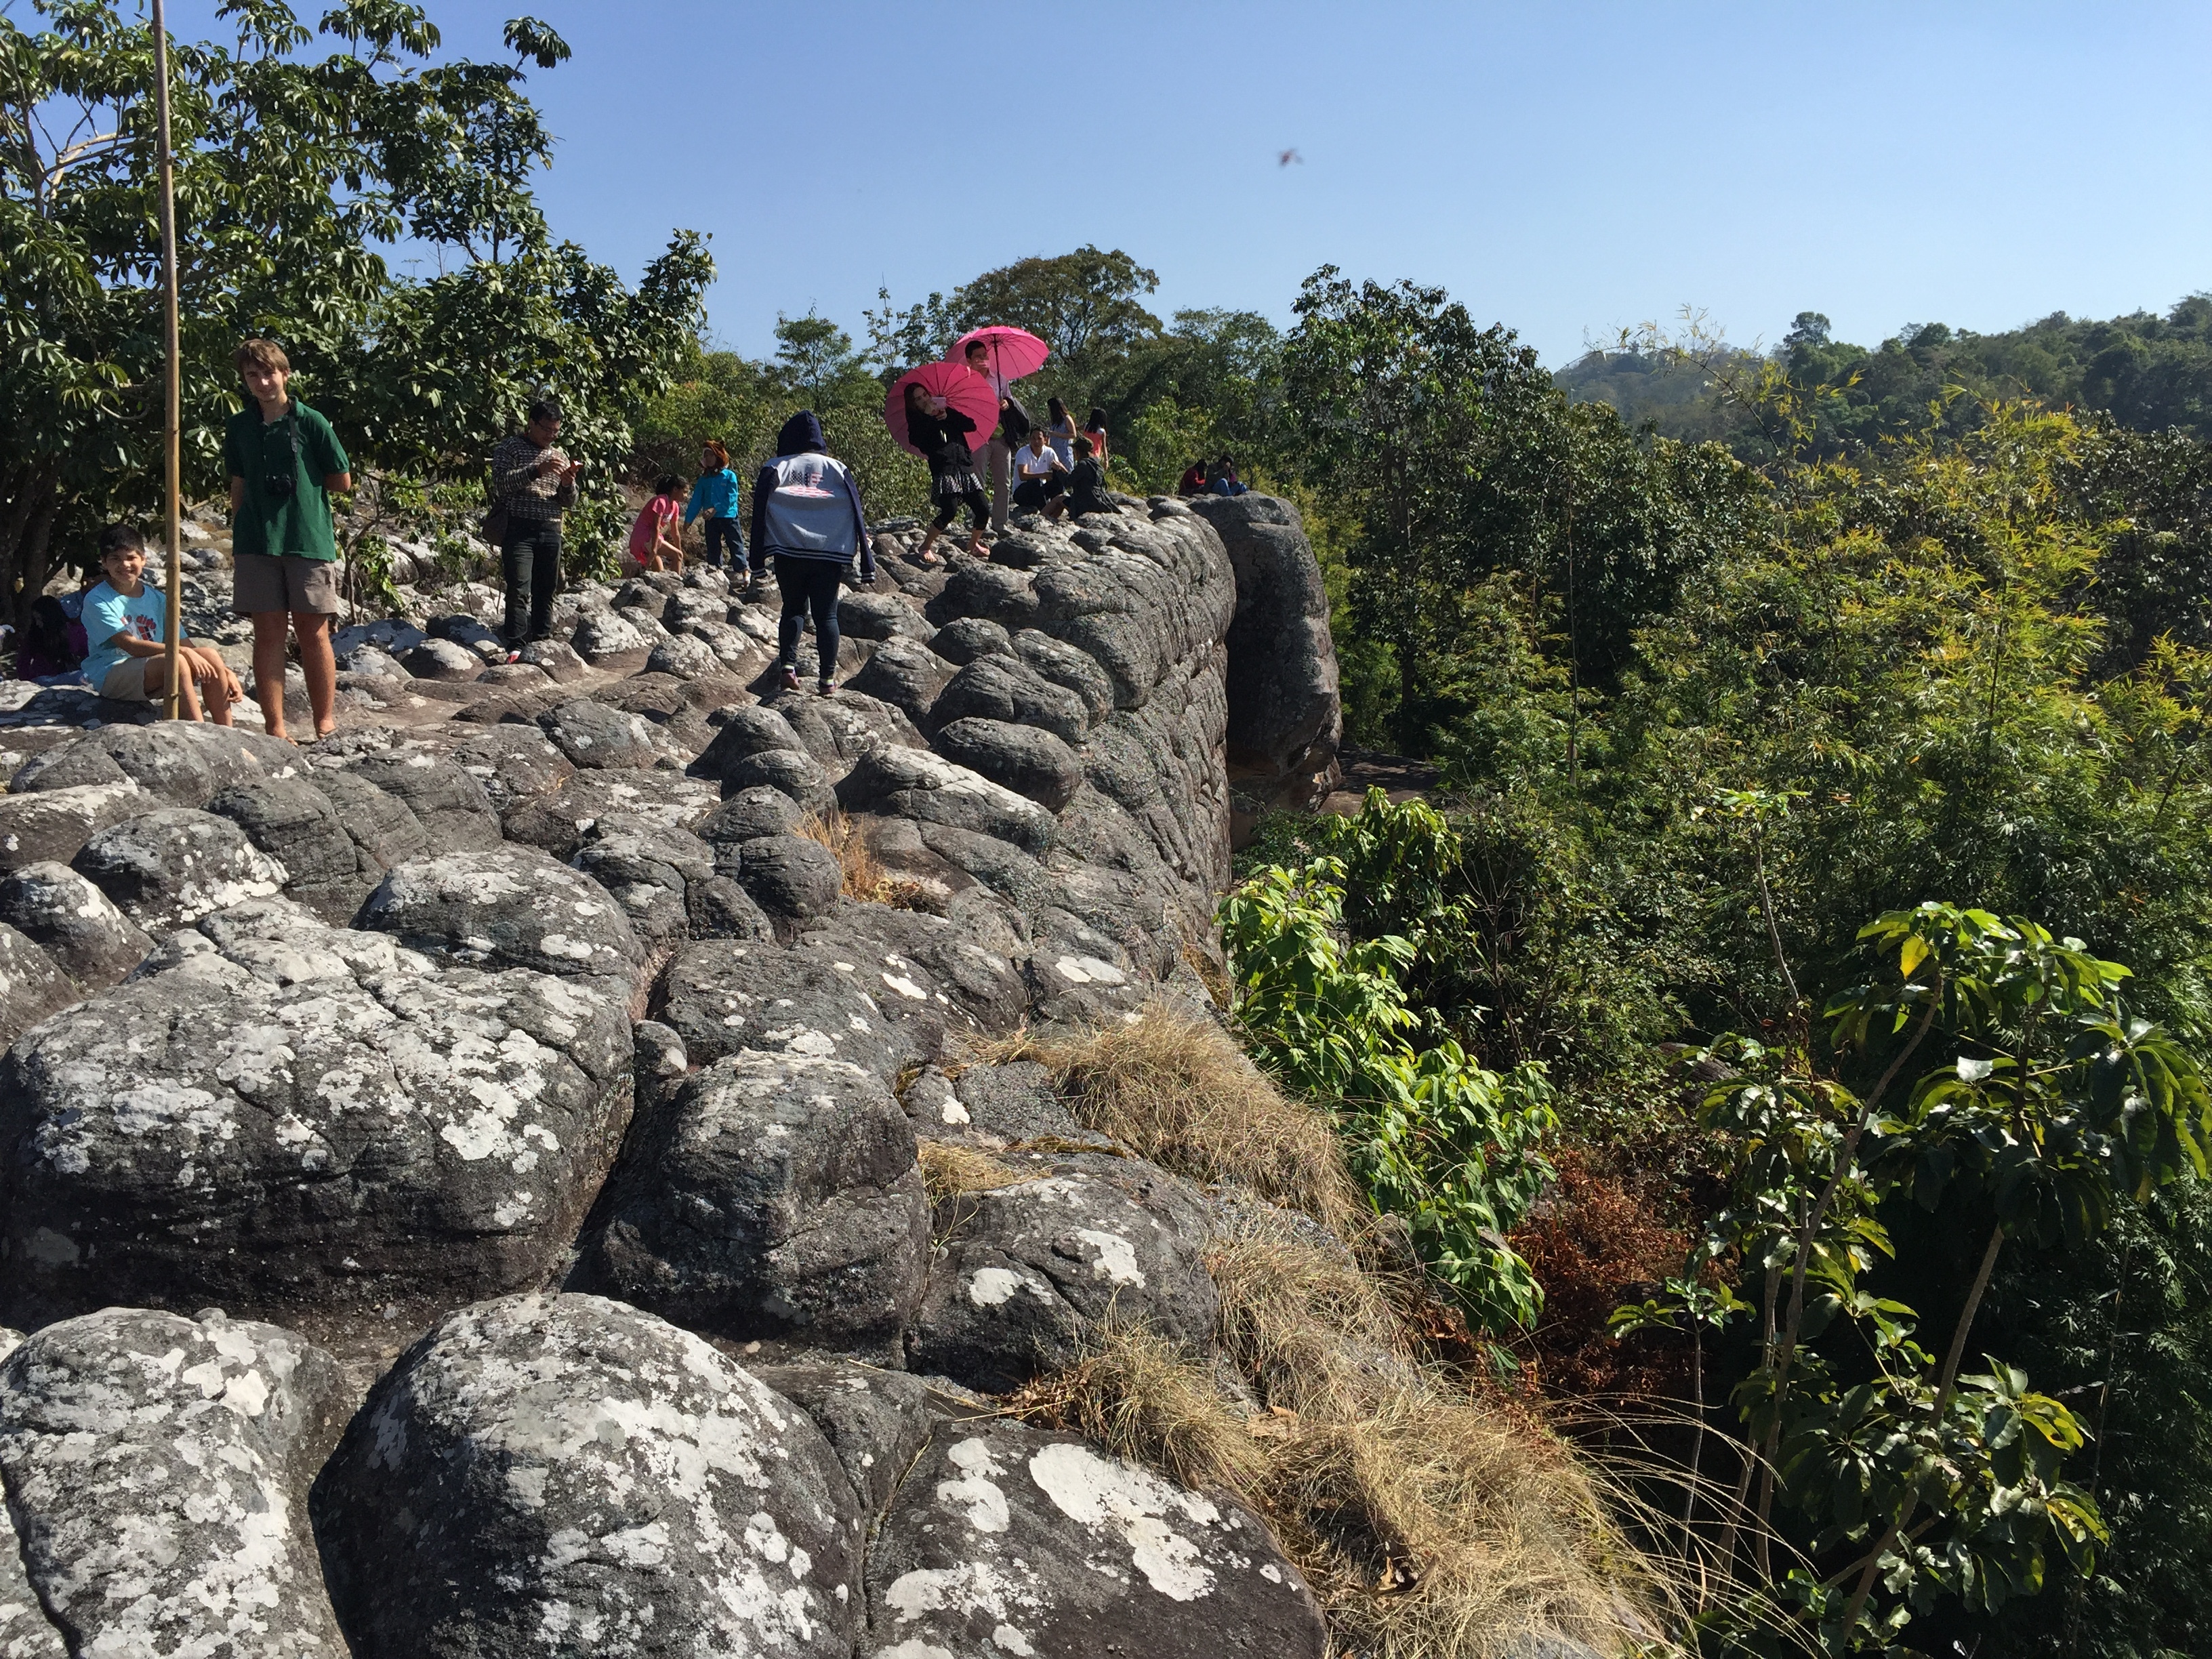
(790, 679)
(823, 688)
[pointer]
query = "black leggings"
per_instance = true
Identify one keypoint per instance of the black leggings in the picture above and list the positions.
(808, 584)
(979, 508)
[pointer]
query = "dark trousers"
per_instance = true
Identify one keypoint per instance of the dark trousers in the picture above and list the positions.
(809, 584)
(722, 530)
(530, 559)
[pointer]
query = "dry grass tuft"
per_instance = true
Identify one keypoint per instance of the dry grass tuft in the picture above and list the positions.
(1433, 1524)
(1178, 1088)
(1142, 1398)
(950, 1170)
(866, 879)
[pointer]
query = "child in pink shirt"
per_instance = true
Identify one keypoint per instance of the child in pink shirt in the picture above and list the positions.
(655, 529)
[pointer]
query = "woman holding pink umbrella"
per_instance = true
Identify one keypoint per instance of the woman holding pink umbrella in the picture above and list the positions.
(939, 433)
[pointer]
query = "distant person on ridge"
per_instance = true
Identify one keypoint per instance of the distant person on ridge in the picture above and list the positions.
(1225, 480)
(941, 432)
(716, 496)
(807, 517)
(1094, 429)
(533, 485)
(1193, 480)
(284, 461)
(1060, 431)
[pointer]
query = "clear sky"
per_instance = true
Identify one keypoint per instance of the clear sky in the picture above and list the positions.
(1567, 169)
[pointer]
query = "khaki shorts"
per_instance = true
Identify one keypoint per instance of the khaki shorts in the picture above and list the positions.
(126, 682)
(263, 581)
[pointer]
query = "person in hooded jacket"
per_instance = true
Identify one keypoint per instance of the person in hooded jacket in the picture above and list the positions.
(807, 517)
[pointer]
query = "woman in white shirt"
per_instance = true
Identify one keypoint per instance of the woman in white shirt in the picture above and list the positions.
(1039, 472)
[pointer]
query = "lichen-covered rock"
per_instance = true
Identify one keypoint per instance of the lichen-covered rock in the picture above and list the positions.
(1001, 1106)
(445, 800)
(875, 1420)
(1008, 1541)
(650, 871)
(1030, 1269)
(592, 735)
(179, 762)
(722, 996)
(912, 783)
(556, 823)
(910, 960)
(74, 923)
(169, 867)
(25, 1632)
(602, 638)
(513, 907)
(775, 1195)
(790, 875)
(870, 616)
(743, 732)
(51, 826)
(306, 1123)
(687, 657)
(512, 761)
(442, 660)
(840, 728)
(31, 985)
(562, 1474)
(1029, 761)
(157, 1469)
(295, 823)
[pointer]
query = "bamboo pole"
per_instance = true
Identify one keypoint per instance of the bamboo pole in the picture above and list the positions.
(173, 417)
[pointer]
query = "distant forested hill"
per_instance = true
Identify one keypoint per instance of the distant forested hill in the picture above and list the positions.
(2148, 372)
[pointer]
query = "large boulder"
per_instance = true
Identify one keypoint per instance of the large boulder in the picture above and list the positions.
(1030, 1269)
(1005, 1539)
(749, 813)
(384, 827)
(993, 592)
(51, 826)
(31, 985)
(295, 823)
(74, 923)
(169, 867)
(305, 1124)
(794, 771)
(557, 821)
(179, 762)
(512, 761)
(1005, 687)
(446, 800)
(749, 730)
(906, 674)
(912, 783)
(604, 639)
(1286, 717)
(722, 996)
(513, 907)
(562, 1474)
(910, 960)
(157, 1470)
(652, 870)
(964, 639)
(790, 875)
(1027, 760)
(592, 735)
(871, 615)
(776, 1195)
(875, 1420)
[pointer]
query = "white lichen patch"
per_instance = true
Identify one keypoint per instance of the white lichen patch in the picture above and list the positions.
(1111, 1497)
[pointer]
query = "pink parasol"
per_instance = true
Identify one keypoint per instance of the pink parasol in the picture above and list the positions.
(1014, 351)
(970, 393)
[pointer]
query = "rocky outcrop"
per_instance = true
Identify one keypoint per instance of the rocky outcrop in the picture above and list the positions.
(581, 1022)
(1286, 720)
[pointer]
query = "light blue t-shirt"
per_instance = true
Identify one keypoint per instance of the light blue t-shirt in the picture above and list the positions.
(107, 613)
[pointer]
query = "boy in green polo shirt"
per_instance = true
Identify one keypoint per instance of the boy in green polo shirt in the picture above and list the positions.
(284, 460)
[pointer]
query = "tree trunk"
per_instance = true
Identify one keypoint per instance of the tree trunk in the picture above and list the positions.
(30, 494)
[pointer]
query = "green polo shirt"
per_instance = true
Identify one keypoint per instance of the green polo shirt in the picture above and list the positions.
(256, 450)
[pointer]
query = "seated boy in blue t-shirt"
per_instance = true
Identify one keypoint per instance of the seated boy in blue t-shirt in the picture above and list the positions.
(124, 618)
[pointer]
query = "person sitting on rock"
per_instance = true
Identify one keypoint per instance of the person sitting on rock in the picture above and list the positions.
(1040, 471)
(1193, 480)
(1084, 486)
(1224, 481)
(125, 617)
(807, 516)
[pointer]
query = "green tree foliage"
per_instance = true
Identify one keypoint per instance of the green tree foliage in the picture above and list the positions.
(291, 168)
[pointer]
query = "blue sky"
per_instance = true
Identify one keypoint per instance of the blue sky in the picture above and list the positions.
(1567, 169)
